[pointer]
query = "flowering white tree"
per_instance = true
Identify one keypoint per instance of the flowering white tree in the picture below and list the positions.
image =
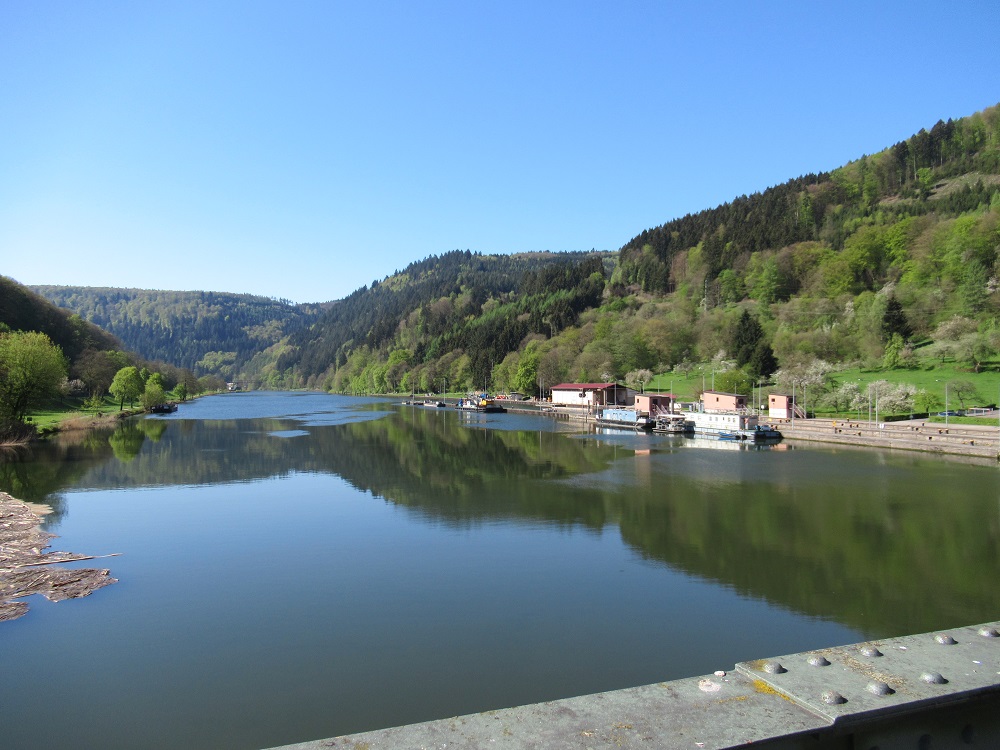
(812, 373)
(847, 397)
(891, 398)
(638, 378)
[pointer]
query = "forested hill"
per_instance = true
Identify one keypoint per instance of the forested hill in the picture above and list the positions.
(207, 332)
(459, 303)
(21, 309)
(949, 169)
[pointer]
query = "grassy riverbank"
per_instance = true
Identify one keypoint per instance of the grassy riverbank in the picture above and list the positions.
(78, 413)
(71, 413)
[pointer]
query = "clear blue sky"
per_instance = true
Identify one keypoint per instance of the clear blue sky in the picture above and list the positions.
(302, 149)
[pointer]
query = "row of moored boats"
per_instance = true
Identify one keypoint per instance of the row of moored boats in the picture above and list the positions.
(736, 425)
(741, 425)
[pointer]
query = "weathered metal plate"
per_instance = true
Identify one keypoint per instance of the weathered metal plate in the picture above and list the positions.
(892, 675)
(701, 713)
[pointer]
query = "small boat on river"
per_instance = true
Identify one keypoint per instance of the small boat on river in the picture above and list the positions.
(672, 423)
(734, 425)
(481, 402)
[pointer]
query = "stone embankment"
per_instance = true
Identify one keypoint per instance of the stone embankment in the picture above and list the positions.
(915, 435)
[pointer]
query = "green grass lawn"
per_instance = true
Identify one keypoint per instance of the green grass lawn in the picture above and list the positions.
(933, 381)
(69, 407)
(981, 421)
(684, 388)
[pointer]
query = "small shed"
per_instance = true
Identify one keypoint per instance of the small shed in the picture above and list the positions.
(779, 406)
(719, 402)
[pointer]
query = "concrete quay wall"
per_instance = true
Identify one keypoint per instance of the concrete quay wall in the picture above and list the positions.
(915, 435)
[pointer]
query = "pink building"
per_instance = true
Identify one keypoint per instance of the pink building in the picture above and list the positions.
(719, 402)
(779, 406)
(654, 403)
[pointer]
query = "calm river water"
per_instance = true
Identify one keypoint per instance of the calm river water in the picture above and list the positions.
(298, 566)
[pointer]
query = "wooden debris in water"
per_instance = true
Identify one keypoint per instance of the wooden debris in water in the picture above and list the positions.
(25, 567)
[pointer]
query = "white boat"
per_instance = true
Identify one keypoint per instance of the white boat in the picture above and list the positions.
(735, 425)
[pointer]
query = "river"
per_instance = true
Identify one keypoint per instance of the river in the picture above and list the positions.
(298, 565)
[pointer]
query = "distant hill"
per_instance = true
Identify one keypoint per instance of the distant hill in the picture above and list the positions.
(212, 333)
(458, 303)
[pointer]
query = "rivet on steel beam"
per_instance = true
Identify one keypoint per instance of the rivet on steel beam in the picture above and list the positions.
(879, 688)
(989, 632)
(833, 698)
(819, 661)
(944, 639)
(773, 667)
(869, 650)
(933, 678)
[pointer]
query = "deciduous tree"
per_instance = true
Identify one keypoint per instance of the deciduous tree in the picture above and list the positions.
(31, 369)
(963, 390)
(97, 369)
(153, 395)
(127, 386)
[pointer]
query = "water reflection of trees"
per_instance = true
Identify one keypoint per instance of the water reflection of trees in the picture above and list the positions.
(39, 472)
(865, 554)
(883, 560)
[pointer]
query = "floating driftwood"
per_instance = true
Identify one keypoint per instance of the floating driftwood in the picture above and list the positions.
(25, 567)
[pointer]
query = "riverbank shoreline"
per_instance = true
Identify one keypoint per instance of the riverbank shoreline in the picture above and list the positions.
(89, 421)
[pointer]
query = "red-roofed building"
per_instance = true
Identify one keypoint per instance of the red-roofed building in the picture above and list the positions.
(593, 394)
